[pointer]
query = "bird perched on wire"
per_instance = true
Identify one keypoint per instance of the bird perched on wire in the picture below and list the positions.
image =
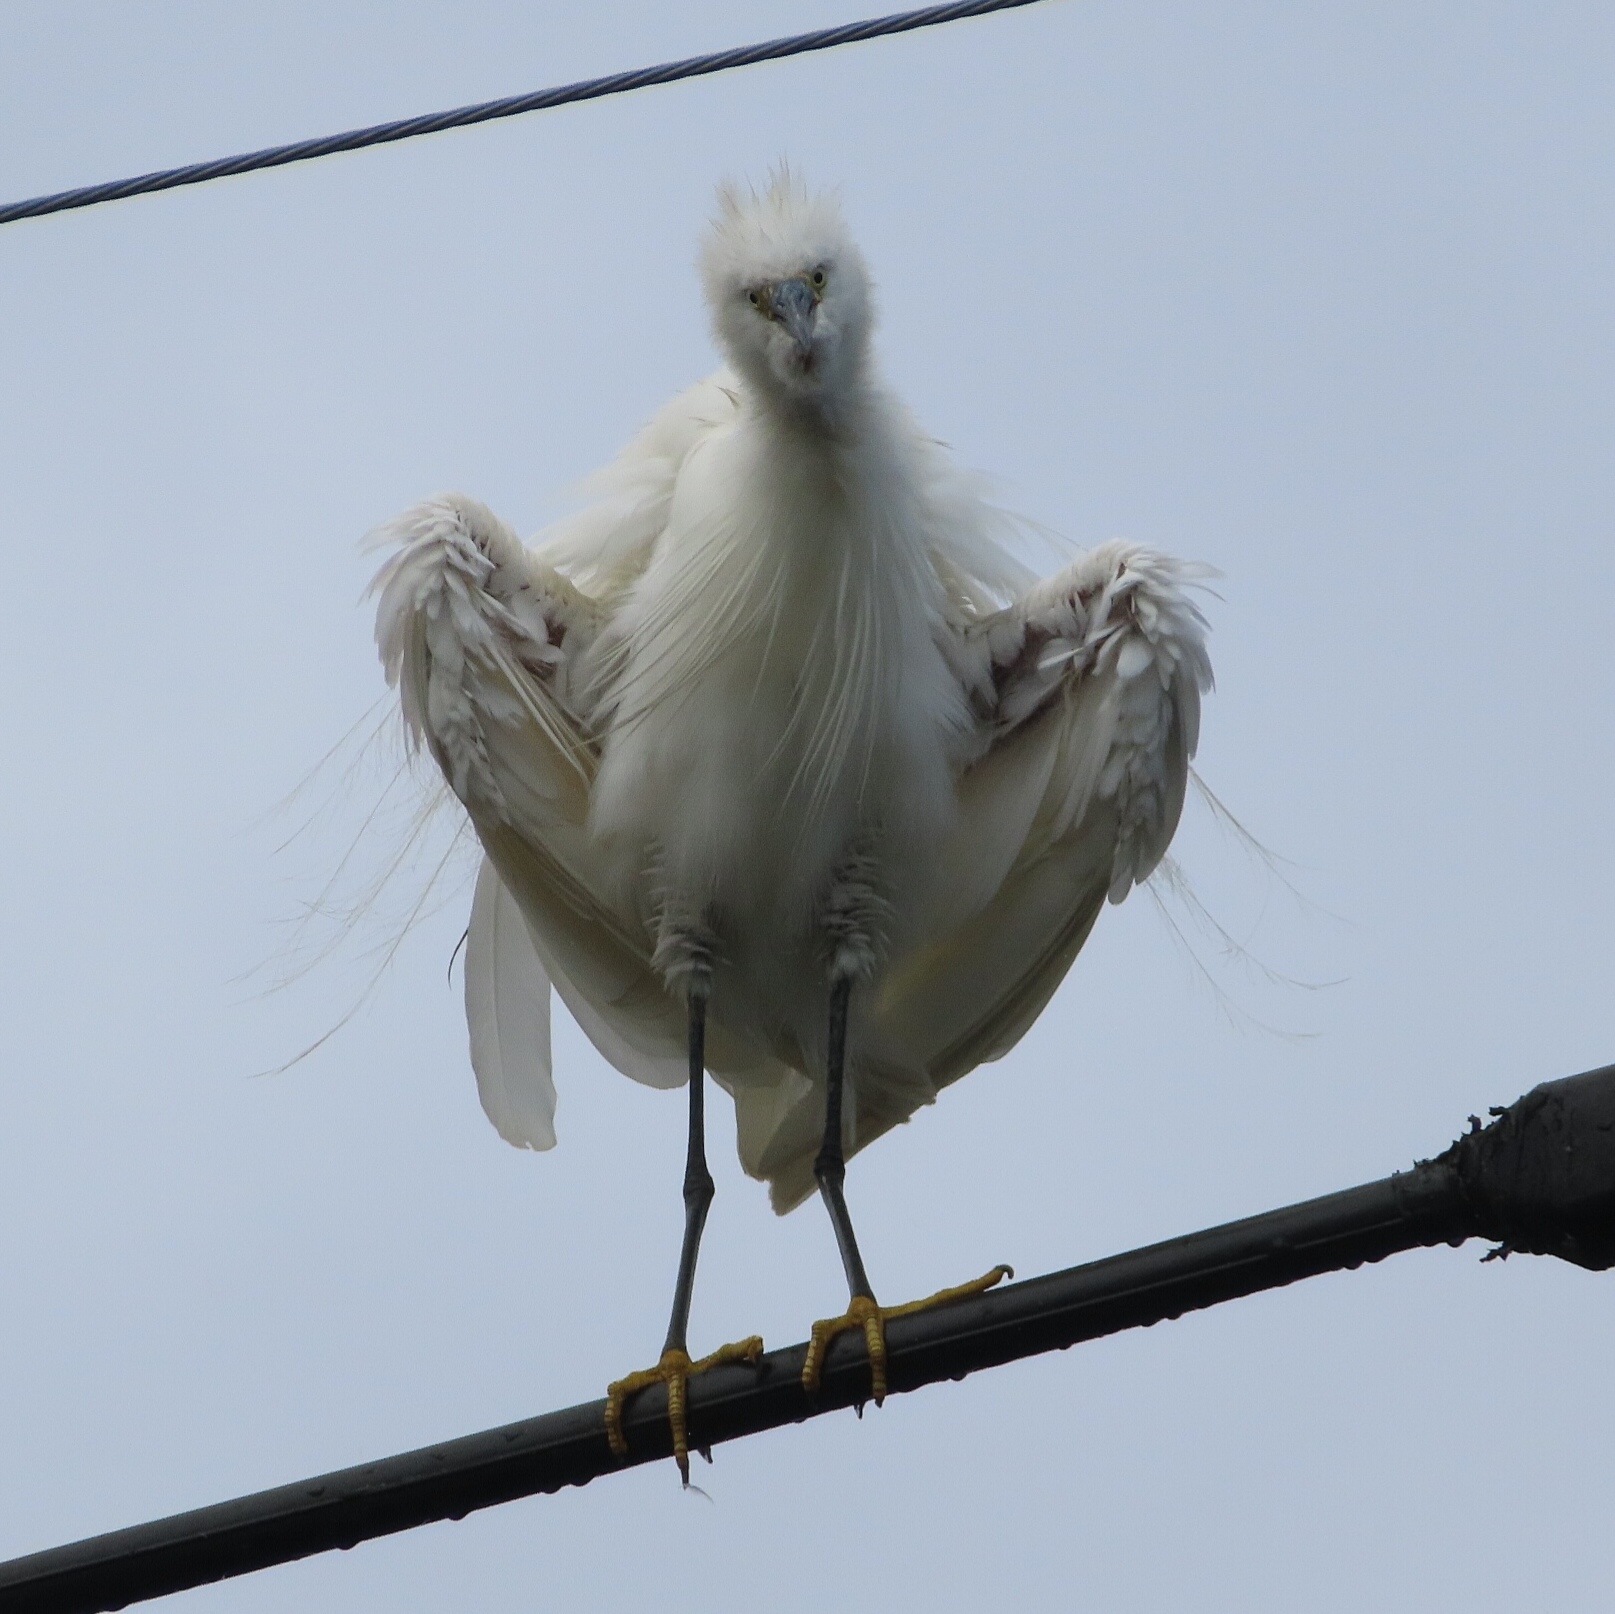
(784, 769)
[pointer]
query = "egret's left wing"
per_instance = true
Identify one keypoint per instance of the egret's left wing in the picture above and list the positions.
(1089, 692)
(1090, 687)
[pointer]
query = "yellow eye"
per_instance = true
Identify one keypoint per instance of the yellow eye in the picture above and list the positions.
(817, 277)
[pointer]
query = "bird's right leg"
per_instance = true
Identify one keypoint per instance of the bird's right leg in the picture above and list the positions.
(675, 1367)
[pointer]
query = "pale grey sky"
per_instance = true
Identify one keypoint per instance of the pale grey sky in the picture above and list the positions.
(1320, 295)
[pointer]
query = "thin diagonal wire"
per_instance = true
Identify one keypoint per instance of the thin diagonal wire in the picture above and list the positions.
(592, 89)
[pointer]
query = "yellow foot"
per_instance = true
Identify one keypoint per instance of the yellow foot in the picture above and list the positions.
(674, 1370)
(863, 1313)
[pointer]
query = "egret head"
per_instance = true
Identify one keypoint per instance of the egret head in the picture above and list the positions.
(789, 292)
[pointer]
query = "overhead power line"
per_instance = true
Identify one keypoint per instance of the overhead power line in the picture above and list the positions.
(511, 106)
(1539, 1180)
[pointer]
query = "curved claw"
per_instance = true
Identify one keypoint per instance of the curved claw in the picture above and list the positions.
(675, 1371)
(862, 1312)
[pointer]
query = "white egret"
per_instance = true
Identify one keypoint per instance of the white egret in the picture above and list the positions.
(783, 768)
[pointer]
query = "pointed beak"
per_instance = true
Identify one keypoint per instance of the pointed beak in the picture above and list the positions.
(794, 307)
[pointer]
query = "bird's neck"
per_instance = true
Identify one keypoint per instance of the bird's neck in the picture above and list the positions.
(835, 415)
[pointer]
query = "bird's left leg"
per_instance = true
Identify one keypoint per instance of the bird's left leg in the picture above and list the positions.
(675, 1367)
(852, 917)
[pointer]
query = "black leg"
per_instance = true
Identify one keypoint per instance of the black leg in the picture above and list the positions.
(698, 1185)
(675, 1368)
(830, 1167)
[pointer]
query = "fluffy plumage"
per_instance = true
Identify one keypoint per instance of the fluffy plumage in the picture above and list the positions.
(776, 703)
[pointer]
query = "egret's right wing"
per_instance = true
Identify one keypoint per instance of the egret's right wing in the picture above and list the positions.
(485, 642)
(607, 544)
(507, 1012)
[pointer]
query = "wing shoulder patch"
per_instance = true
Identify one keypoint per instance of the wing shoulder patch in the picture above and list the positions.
(474, 632)
(1118, 640)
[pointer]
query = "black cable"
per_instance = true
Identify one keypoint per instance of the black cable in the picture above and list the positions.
(1540, 1180)
(592, 89)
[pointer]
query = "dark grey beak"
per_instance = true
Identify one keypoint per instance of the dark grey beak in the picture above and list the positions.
(794, 307)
